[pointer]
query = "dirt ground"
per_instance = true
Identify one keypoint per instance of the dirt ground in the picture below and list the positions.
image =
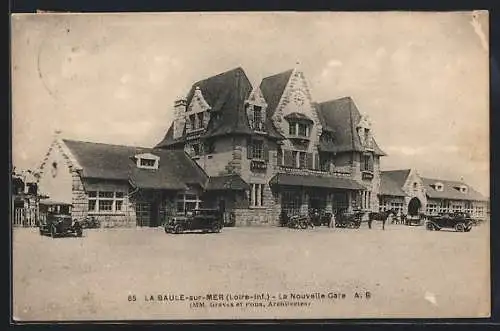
(119, 273)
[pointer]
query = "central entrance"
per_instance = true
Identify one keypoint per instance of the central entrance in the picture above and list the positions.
(414, 207)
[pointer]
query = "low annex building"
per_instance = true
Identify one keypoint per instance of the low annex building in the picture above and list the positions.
(123, 185)
(406, 191)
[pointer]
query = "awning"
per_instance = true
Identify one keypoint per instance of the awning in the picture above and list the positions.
(229, 182)
(316, 181)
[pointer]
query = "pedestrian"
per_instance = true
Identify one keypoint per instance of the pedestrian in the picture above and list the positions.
(332, 221)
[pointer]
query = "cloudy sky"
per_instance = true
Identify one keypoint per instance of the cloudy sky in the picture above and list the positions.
(421, 77)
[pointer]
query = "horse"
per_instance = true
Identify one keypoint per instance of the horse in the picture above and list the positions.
(380, 216)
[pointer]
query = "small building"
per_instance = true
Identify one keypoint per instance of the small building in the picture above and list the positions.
(406, 191)
(125, 185)
(25, 199)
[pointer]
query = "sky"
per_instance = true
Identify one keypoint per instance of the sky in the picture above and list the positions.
(422, 78)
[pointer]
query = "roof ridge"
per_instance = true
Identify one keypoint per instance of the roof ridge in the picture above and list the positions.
(106, 144)
(333, 100)
(236, 69)
(279, 73)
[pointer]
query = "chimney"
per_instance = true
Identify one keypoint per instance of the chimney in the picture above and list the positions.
(179, 117)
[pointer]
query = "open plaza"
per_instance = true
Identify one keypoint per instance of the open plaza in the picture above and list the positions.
(130, 273)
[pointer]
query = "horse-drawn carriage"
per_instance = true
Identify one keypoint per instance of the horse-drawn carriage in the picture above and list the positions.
(295, 221)
(350, 220)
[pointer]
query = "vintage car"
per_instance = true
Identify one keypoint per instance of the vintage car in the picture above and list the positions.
(461, 222)
(206, 220)
(56, 221)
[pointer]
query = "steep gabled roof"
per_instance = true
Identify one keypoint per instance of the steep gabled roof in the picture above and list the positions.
(340, 117)
(226, 94)
(450, 190)
(392, 182)
(272, 88)
(115, 162)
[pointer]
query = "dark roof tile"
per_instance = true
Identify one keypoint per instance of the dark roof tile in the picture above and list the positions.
(115, 162)
(340, 117)
(450, 190)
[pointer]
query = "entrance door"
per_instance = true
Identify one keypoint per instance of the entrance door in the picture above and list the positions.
(155, 214)
(143, 213)
(414, 207)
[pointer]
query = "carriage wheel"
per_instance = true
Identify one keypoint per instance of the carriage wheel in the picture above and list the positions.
(460, 227)
(351, 225)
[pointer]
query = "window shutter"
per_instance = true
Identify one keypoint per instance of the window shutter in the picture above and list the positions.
(280, 156)
(249, 148)
(266, 151)
(316, 161)
(288, 156)
(309, 161)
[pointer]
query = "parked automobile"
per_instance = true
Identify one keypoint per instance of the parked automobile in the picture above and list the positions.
(90, 222)
(60, 224)
(206, 220)
(459, 221)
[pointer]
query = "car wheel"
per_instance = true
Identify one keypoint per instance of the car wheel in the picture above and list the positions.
(460, 227)
(351, 225)
(79, 232)
(177, 228)
(216, 228)
(429, 226)
(167, 230)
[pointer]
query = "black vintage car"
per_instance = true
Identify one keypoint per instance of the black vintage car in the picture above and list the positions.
(206, 220)
(57, 221)
(461, 222)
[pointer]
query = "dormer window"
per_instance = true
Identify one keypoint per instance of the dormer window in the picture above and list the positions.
(364, 132)
(439, 187)
(299, 126)
(463, 189)
(258, 124)
(147, 161)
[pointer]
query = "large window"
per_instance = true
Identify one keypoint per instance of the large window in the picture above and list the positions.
(105, 201)
(291, 202)
(257, 118)
(298, 129)
(257, 195)
(432, 209)
(367, 162)
(257, 149)
(187, 202)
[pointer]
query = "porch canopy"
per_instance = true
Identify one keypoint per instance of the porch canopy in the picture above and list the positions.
(316, 181)
(226, 183)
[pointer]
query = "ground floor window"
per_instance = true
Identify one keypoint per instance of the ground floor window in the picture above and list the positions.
(457, 208)
(340, 201)
(187, 202)
(291, 202)
(432, 209)
(257, 195)
(479, 211)
(105, 201)
(397, 206)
